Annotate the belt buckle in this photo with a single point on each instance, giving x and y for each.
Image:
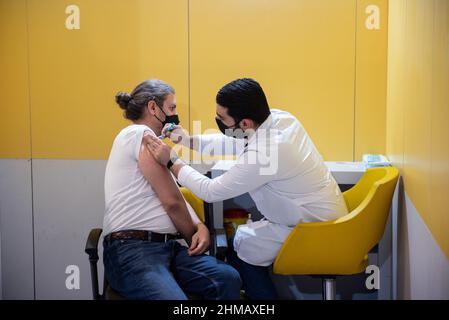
(165, 237)
(149, 236)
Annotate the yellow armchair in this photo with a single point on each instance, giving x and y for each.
(341, 246)
(196, 203)
(218, 245)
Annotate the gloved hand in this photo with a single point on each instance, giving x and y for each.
(176, 134)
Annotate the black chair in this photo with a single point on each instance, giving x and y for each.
(218, 246)
(92, 251)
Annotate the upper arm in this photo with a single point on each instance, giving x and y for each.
(159, 178)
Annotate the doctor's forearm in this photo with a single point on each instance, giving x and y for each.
(191, 183)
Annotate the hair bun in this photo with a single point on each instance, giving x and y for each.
(122, 99)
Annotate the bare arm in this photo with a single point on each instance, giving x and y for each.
(168, 193)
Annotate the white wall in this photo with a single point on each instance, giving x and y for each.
(68, 202)
(1, 287)
(16, 229)
(423, 268)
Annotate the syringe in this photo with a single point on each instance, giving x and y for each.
(169, 128)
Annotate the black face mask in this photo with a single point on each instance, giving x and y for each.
(233, 131)
(168, 119)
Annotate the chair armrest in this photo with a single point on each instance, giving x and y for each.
(220, 243)
(92, 243)
(92, 250)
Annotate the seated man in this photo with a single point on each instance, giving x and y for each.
(145, 211)
(277, 164)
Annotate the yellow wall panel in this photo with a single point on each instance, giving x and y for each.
(418, 107)
(418, 72)
(396, 79)
(14, 91)
(439, 195)
(75, 74)
(302, 53)
(371, 77)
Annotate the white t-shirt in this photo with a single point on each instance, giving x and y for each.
(130, 201)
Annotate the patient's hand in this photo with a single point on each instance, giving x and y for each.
(200, 241)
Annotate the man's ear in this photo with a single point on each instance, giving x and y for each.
(151, 106)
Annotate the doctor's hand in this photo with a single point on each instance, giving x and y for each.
(200, 241)
(177, 135)
(160, 151)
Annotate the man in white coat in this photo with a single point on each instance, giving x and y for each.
(277, 164)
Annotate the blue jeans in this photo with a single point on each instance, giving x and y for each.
(256, 279)
(164, 271)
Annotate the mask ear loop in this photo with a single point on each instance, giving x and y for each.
(153, 98)
(237, 123)
(237, 126)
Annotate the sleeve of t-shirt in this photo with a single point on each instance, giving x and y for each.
(140, 132)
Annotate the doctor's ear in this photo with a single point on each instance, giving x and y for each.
(247, 124)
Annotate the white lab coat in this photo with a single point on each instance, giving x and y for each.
(285, 176)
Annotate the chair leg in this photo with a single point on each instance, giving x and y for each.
(329, 288)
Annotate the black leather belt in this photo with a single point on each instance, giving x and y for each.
(141, 235)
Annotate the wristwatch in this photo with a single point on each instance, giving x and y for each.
(171, 162)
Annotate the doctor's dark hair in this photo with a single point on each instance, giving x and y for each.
(244, 98)
(135, 103)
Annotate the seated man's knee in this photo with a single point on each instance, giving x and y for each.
(229, 283)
